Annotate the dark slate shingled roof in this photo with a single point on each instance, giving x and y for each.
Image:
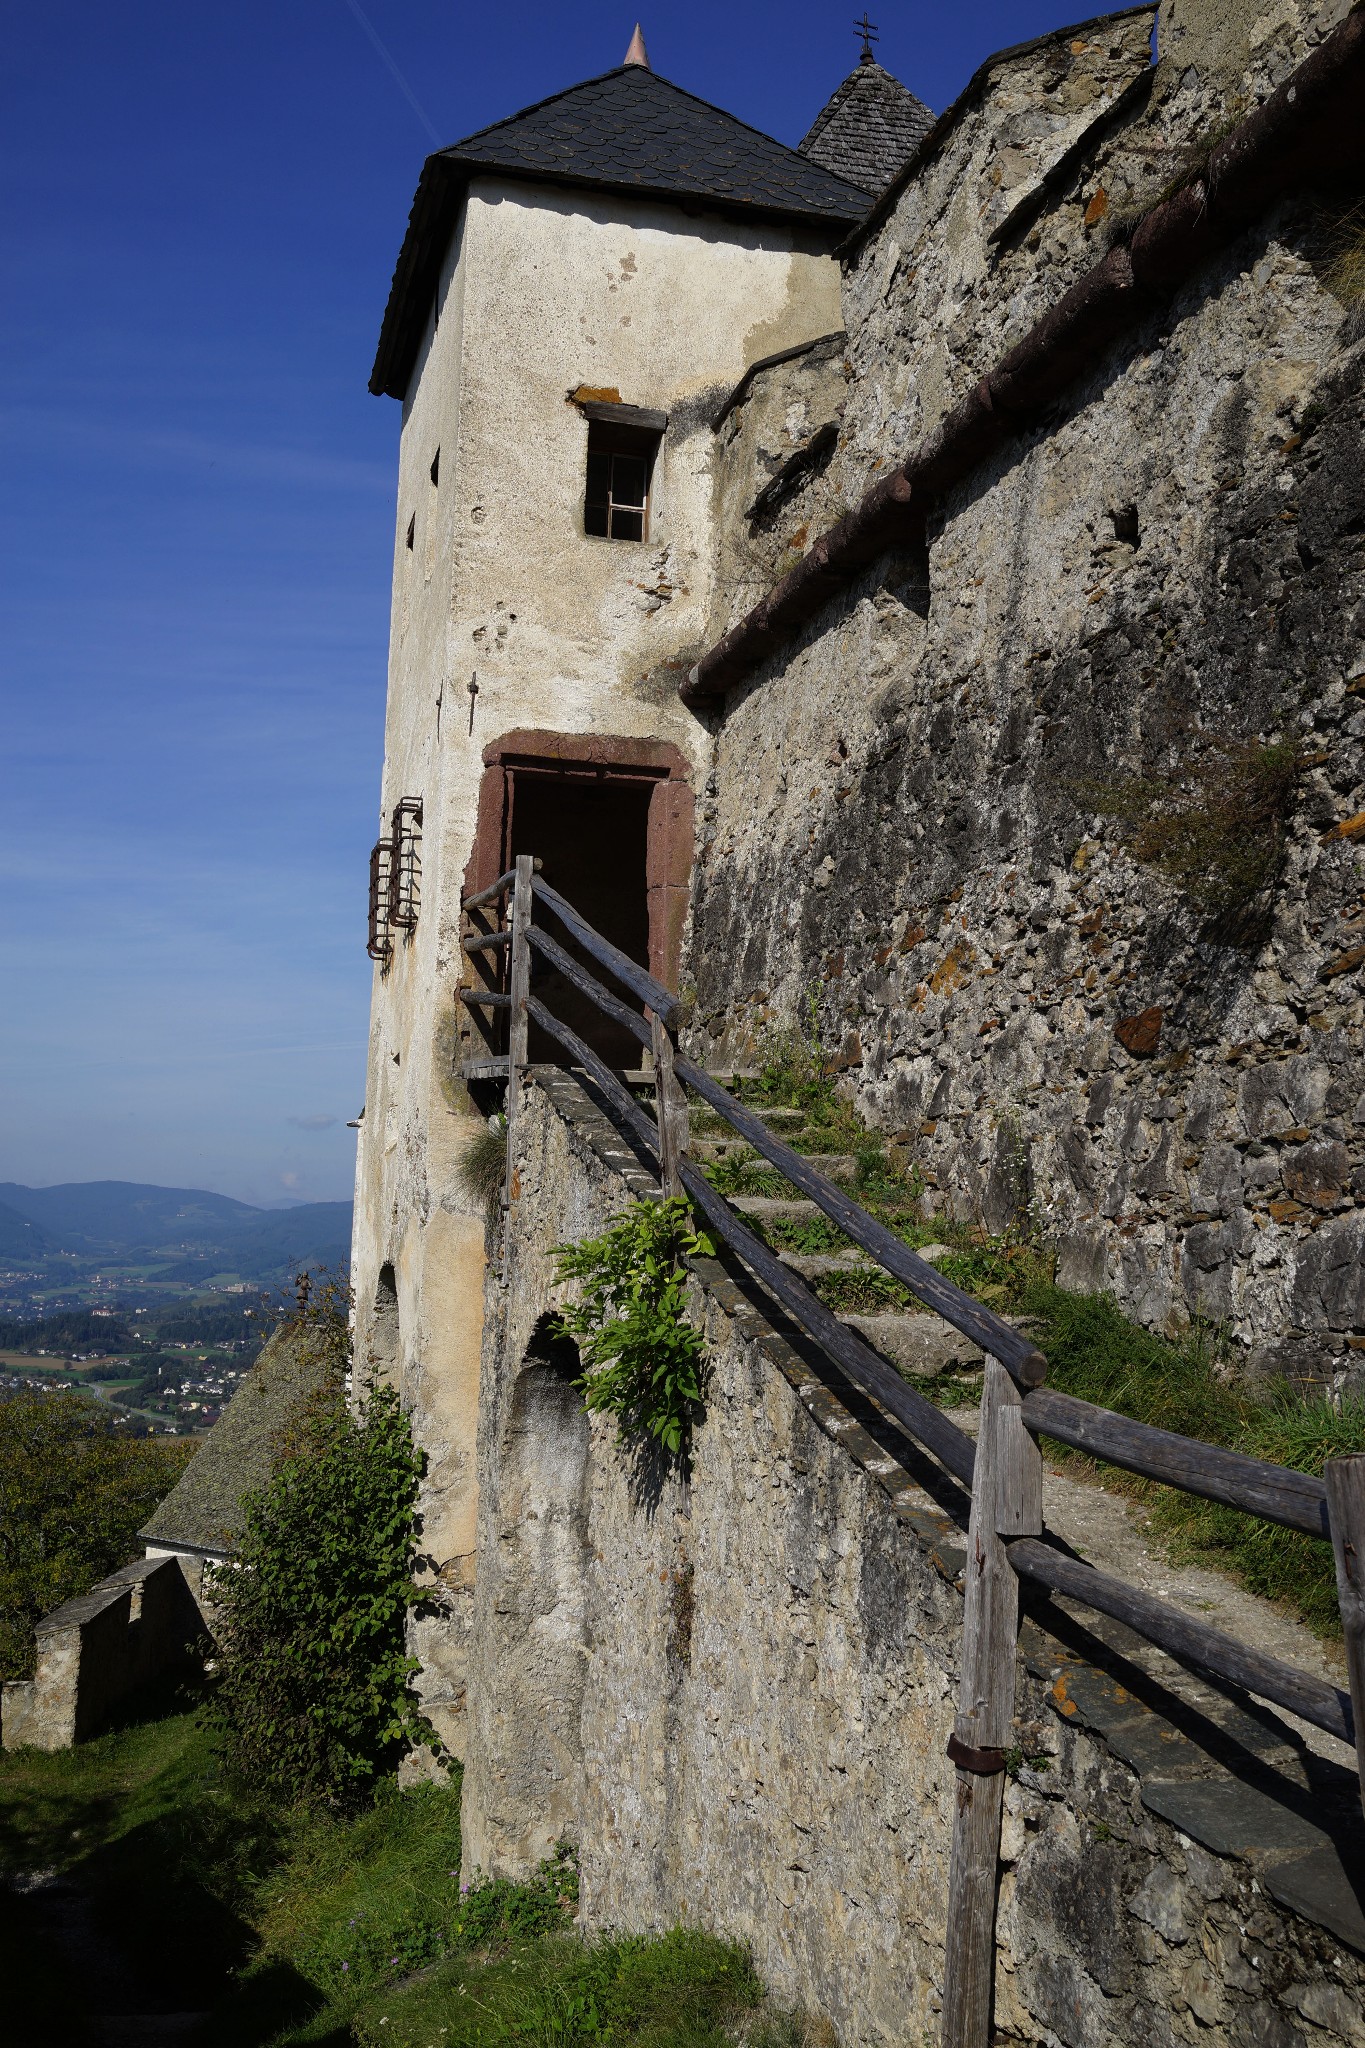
(869, 130)
(204, 1508)
(627, 130)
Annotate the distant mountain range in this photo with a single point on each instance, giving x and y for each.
(195, 1230)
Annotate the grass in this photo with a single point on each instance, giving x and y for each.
(1179, 1384)
(1095, 1353)
(482, 1167)
(301, 1928)
(1344, 256)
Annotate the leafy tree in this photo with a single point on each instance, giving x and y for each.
(314, 1697)
(74, 1491)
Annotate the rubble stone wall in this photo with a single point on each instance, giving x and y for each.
(141, 1624)
(912, 810)
(733, 1693)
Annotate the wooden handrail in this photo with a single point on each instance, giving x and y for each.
(990, 1331)
(1193, 1642)
(1313, 1699)
(652, 993)
(1016, 1353)
(588, 984)
(1296, 1500)
(1275, 1493)
(494, 889)
(928, 1424)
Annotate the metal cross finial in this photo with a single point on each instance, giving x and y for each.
(868, 31)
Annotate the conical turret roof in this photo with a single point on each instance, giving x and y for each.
(869, 129)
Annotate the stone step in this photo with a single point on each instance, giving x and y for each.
(817, 1265)
(840, 1167)
(916, 1341)
(707, 1151)
(780, 1119)
(772, 1209)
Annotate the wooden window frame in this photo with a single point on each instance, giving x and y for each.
(610, 446)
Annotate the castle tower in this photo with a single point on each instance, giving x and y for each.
(578, 289)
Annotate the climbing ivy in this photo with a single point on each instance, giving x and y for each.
(645, 1363)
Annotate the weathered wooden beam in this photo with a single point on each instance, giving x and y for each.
(1016, 1353)
(921, 1420)
(1208, 1650)
(488, 998)
(588, 985)
(670, 1110)
(628, 972)
(519, 989)
(1296, 1500)
(487, 942)
(1007, 1500)
(1193, 1642)
(1345, 1481)
(494, 890)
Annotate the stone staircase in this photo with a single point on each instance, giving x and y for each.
(917, 1343)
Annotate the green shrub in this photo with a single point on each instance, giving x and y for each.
(314, 1695)
(644, 1361)
(482, 1167)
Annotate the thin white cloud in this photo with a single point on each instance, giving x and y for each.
(159, 449)
(311, 1123)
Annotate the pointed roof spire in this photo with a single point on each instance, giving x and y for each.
(637, 53)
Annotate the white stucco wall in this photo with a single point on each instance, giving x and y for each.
(542, 291)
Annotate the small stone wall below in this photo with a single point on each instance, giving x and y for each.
(140, 1624)
(733, 1691)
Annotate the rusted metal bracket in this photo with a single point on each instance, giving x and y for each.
(986, 1763)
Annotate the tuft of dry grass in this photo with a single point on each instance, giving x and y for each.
(1343, 262)
(482, 1167)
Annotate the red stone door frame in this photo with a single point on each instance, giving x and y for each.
(669, 836)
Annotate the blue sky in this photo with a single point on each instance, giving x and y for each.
(201, 211)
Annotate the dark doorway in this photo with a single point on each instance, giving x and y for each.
(589, 828)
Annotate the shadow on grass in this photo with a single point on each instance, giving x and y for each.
(126, 1867)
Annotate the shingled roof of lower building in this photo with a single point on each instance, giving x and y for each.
(869, 130)
(627, 130)
(203, 1511)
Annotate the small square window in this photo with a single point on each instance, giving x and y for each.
(620, 471)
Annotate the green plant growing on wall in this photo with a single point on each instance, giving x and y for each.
(314, 1698)
(644, 1362)
(1216, 827)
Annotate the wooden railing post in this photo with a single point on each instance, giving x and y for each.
(1007, 1500)
(519, 987)
(670, 1105)
(1345, 1481)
